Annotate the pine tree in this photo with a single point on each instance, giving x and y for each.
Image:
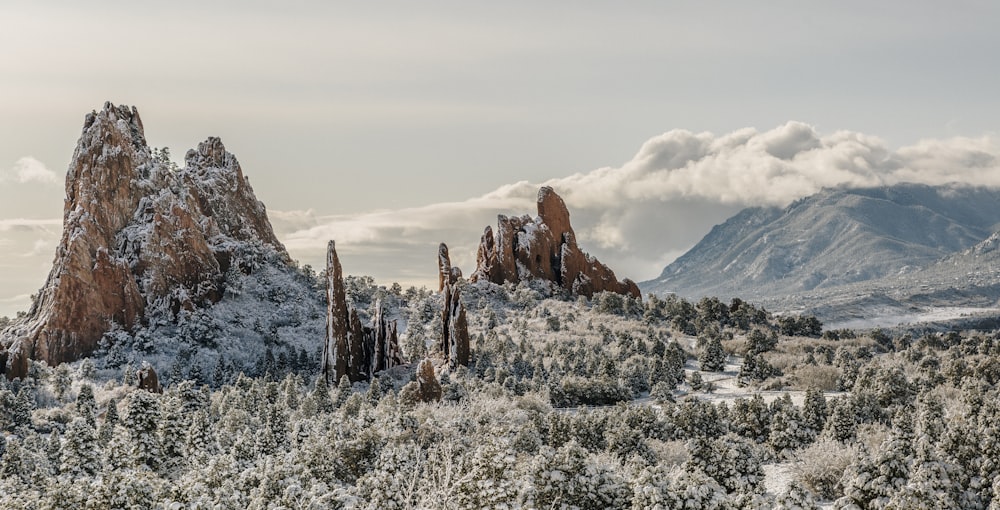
(141, 418)
(86, 405)
(80, 453)
(814, 410)
(319, 399)
(713, 358)
(24, 403)
(344, 389)
(841, 424)
(61, 382)
(107, 427)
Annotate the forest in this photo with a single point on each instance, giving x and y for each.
(567, 403)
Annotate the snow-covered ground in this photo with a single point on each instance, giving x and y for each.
(930, 315)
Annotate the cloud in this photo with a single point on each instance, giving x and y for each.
(27, 224)
(29, 169)
(640, 215)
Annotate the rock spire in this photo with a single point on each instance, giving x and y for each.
(455, 328)
(350, 348)
(447, 274)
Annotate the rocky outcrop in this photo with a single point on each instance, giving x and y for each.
(384, 339)
(140, 238)
(351, 349)
(428, 386)
(545, 248)
(447, 274)
(455, 328)
(147, 379)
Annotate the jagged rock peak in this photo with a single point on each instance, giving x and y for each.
(447, 274)
(140, 239)
(455, 328)
(352, 349)
(335, 349)
(545, 248)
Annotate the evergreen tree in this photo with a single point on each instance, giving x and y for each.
(86, 405)
(814, 410)
(61, 382)
(107, 427)
(570, 478)
(141, 418)
(24, 404)
(80, 453)
(713, 358)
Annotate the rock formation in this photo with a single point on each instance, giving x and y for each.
(352, 349)
(147, 379)
(336, 354)
(140, 238)
(544, 247)
(447, 274)
(429, 389)
(455, 328)
(385, 342)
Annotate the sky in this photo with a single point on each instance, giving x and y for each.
(393, 126)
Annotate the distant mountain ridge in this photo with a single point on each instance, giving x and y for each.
(832, 238)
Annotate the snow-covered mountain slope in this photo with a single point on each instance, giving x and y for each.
(832, 238)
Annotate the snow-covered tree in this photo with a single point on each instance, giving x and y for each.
(141, 421)
(80, 452)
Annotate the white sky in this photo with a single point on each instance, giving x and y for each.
(385, 124)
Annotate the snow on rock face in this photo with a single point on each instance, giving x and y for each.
(454, 328)
(139, 239)
(447, 274)
(544, 248)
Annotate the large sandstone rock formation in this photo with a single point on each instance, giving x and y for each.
(544, 247)
(455, 328)
(351, 349)
(140, 238)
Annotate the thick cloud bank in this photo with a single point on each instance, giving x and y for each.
(641, 215)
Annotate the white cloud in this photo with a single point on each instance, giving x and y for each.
(639, 216)
(29, 169)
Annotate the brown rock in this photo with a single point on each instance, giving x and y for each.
(455, 328)
(352, 349)
(544, 248)
(147, 379)
(385, 340)
(335, 350)
(429, 389)
(139, 237)
(447, 274)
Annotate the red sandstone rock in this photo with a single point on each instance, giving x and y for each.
(544, 248)
(335, 350)
(139, 237)
(447, 274)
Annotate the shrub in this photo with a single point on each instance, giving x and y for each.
(821, 465)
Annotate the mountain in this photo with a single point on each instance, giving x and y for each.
(833, 238)
(145, 245)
